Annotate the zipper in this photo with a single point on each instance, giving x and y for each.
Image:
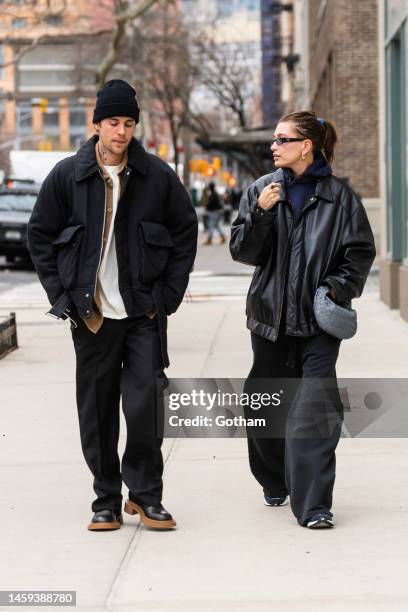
(121, 194)
(311, 201)
(294, 225)
(103, 231)
(285, 265)
(298, 286)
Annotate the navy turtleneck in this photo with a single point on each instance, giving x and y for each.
(300, 188)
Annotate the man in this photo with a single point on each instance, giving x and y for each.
(113, 237)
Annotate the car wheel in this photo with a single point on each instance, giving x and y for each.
(10, 258)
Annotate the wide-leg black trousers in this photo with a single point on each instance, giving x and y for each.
(123, 359)
(303, 462)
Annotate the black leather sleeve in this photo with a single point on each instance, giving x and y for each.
(251, 230)
(356, 255)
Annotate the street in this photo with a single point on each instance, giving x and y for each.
(215, 275)
(229, 551)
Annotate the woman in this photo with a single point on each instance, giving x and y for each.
(302, 227)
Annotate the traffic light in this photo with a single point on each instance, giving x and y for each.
(194, 165)
(45, 145)
(203, 166)
(43, 104)
(163, 150)
(217, 163)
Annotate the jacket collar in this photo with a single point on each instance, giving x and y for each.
(86, 162)
(323, 188)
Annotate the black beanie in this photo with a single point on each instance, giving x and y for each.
(116, 99)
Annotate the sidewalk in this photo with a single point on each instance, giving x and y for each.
(229, 552)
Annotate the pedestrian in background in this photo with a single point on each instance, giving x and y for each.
(214, 210)
(302, 227)
(113, 238)
(227, 206)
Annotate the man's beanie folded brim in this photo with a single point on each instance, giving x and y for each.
(116, 99)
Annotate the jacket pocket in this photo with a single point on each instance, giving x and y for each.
(155, 245)
(68, 245)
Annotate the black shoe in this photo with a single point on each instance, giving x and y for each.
(155, 516)
(276, 501)
(320, 520)
(106, 520)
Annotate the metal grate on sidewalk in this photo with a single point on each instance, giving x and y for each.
(8, 335)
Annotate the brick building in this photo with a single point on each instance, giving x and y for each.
(344, 56)
(47, 93)
(337, 75)
(273, 74)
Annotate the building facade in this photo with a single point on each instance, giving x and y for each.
(394, 252)
(272, 74)
(337, 75)
(47, 92)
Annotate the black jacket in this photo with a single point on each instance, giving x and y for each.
(331, 243)
(213, 202)
(155, 230)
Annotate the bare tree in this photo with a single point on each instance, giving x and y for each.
(168, 61)
(126, 12)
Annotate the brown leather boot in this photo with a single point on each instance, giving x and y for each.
(155, 517)
(106, 520)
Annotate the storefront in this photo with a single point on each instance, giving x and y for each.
(394, 268)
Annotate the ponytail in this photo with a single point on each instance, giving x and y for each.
(320, 131)
(329, 140)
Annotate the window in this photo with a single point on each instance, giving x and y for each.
(24, 116)
(54, 20)
(51, 117)
(253, 5)
(46, 79)
(77, 117)
(19, 23)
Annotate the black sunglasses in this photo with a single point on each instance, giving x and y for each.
(281, 141)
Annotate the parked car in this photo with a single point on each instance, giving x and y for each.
(16, 205)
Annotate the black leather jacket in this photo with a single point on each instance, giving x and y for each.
(331, 243)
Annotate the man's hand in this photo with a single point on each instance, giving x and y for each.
(269, 196)
(333, 294)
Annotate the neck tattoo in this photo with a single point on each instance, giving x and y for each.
(104, 154)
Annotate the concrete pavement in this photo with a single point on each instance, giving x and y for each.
(229, 552)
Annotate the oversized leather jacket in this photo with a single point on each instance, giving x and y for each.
(330, 243)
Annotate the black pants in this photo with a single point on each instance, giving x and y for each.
(123, 358)
(303, 462)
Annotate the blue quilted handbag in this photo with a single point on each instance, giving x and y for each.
(339, 321)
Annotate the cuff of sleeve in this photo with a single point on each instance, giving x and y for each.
(259, 214)
(341, 295)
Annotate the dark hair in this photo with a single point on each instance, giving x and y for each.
(321, 132)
